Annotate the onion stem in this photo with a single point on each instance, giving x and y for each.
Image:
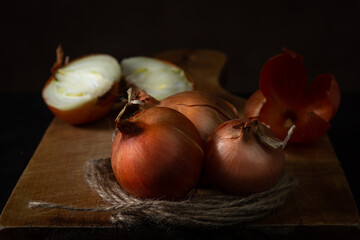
(275, 142)
(129, 101)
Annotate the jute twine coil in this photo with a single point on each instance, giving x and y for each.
(215, 210)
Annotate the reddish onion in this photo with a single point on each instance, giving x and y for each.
(243, 157)
(157, 154)
(284, 99)
(204, 110)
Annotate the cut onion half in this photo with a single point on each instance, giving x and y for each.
(158, 78)
(83, 90)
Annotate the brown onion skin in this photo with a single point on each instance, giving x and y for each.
(254, 104)
(157, 154)
(89, 111)
(238, 163)
(204, 110)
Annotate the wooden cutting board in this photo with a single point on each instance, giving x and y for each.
(321, 204)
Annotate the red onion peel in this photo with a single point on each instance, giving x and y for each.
(284, 99)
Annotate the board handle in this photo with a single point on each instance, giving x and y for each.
(206, 68)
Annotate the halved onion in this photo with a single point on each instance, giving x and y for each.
(158, 78)
(83, 90)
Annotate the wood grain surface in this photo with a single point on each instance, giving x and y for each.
(320, 205)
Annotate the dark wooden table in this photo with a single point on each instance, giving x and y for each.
(321, 206)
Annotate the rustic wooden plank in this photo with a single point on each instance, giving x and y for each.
(322, 199)
(56, 174)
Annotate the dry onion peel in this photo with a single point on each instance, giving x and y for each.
(284, 99)
(129, 101)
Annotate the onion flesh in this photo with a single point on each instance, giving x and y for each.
(81, 81)
(84, 89)
(158, 78)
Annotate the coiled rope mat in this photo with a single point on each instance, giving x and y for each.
(214, 210)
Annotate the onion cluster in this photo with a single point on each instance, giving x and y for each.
(162, 150)
(178, 134)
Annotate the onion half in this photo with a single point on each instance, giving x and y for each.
(83, 90)
(158, 78)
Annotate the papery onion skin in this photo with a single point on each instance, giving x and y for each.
(254, 104)
(88, 111)
(284, 99)
(204, 110)
(157, 154)
(237, 162)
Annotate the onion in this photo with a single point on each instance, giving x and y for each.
(158, 78)
(157, 154)
(204, 110)
(243, 157)
(284, 99)
(83, 90)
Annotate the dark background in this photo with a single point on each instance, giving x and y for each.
(249, 32)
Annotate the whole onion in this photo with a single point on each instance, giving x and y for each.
(157, 154)
(243, 156)
(204, 110)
